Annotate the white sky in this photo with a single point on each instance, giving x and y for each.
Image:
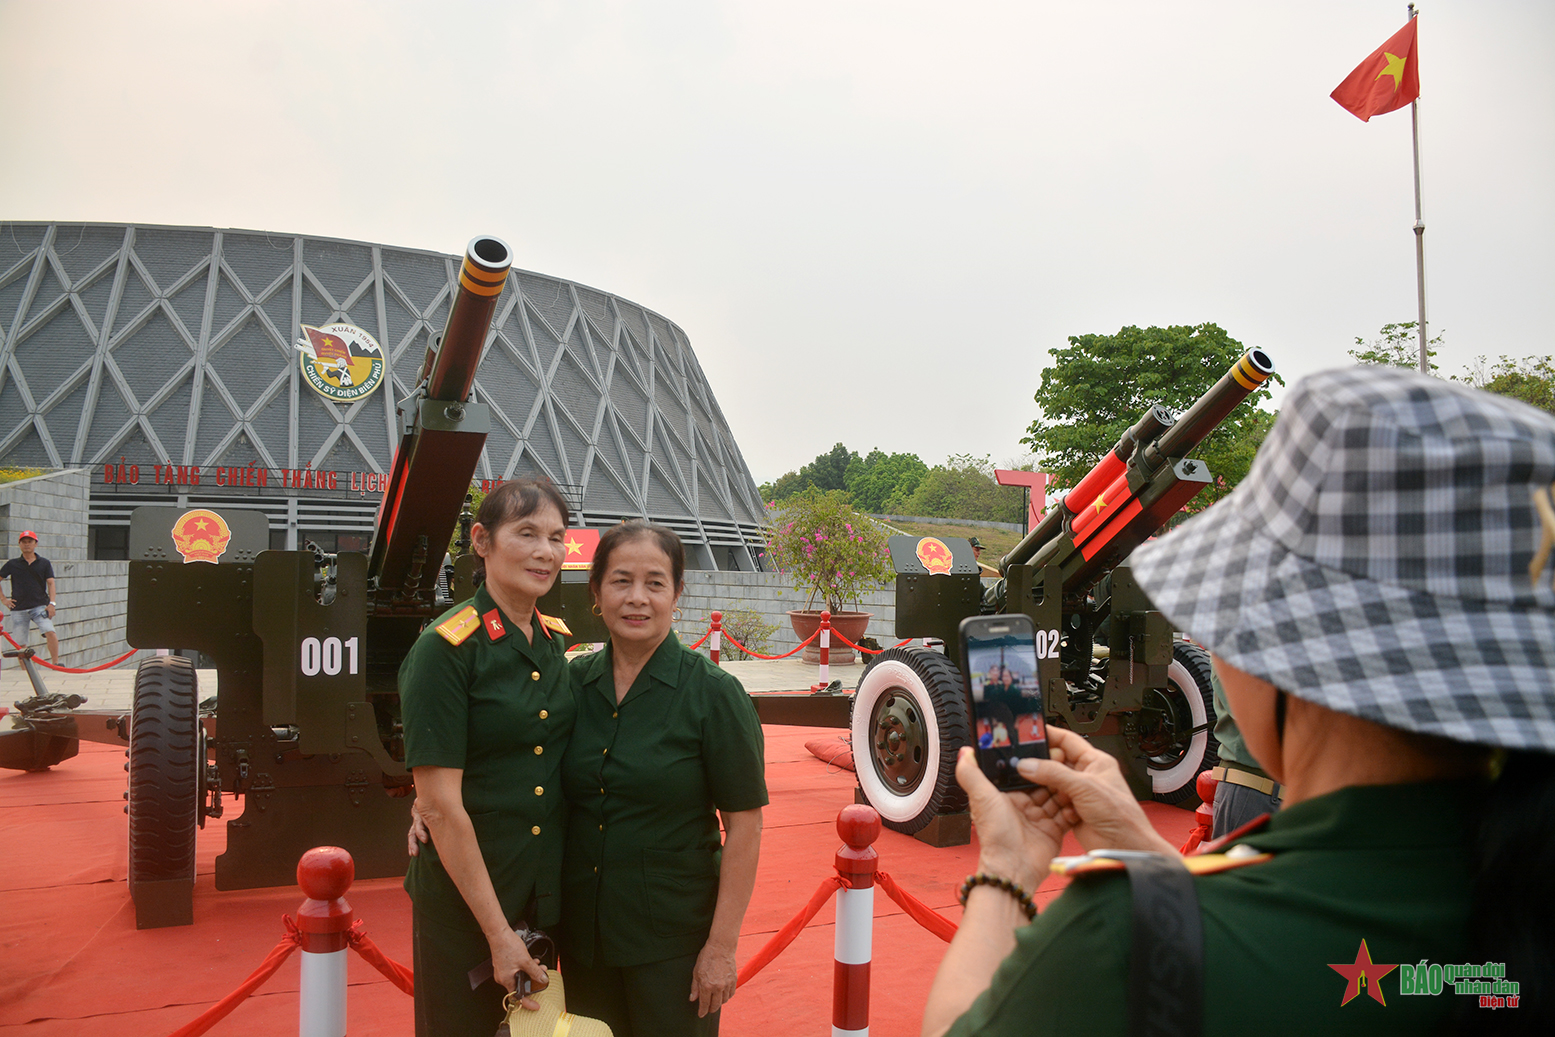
(872, 219)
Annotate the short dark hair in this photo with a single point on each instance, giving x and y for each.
(636, 529)
(518, 500)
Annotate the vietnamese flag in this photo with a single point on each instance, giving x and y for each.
(1384, 82)
(581, 545)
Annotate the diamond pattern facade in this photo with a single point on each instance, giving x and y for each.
(147, 346)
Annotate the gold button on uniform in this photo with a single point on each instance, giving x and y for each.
(539, 749)
(535, 830)
(535, 676)
(544, 713)
(605, 752)
(539, 790)
(601, 792)
(601, 828)
(596, 871)
(614, 715)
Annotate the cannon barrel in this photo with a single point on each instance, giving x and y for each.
(443, 439)
(1159, 434)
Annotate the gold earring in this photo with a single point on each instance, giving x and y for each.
(596, 609)
(677, 614)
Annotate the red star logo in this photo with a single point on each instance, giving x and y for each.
(1363, 972)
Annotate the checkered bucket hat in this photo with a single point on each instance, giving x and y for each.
(1377, 559)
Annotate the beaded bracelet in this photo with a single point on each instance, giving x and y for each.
(1014, 889)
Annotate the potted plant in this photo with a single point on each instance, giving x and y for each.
(835, 552)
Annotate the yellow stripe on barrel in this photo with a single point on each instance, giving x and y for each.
(482, 282)
(1246, 375)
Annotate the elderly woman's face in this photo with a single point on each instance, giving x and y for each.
(637, 594)
(523, 556)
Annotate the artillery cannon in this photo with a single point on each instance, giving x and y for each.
(305, 724)
(1107, 661)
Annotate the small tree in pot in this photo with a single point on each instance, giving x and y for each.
(836, 553)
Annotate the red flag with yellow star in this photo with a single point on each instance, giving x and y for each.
(581, 545)
(1384, 82)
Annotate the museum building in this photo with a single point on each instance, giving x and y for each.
(195, 367)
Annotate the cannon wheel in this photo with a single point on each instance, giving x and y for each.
(167, 770)
(908, 718)
(1176, 726)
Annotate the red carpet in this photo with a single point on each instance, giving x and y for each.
(74, 962)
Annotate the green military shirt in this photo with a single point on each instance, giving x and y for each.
(643, 780)
(501, 709)
(1388, 864)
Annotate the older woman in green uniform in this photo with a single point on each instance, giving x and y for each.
(488, 711)
(665, 744)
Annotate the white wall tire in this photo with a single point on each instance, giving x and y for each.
(908, 720)
(1176, 759)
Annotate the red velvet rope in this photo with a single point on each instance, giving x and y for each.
(397, 974)
(730, 638)
(221, 1009)
(916, 909)
(66, 669)
(705, 636)
(860, 648)
(785, 936)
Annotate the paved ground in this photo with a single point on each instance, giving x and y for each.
(113, 689)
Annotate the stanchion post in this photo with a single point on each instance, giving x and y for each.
(825, 648)
(856, 861)
(324, 873)
(717, 635)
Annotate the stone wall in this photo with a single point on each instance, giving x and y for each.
(52, 505)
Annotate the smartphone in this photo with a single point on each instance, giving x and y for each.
(1004, 695)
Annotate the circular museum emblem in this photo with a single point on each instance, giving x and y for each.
(342, 362)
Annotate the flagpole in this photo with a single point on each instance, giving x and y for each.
(1414, 125)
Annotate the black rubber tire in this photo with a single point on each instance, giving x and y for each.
(919, 695)
(166, 771)
(1176, 759)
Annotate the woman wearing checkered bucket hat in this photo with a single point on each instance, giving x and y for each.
(1379, 594)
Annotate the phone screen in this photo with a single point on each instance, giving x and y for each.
(999, 660)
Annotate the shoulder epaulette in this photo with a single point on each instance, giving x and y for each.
(1200, 864)
(460, 625)
(553, 623)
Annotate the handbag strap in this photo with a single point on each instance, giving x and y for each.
(1166, 966)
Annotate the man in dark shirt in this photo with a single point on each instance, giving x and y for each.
(31, 602)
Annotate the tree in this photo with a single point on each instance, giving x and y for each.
(829, 471)
(879, 479)
(1101, 384)
(964, 487)
(1530, 379)
(1397, 345)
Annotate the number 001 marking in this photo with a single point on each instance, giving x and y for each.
(1047, 644)
(326, 656)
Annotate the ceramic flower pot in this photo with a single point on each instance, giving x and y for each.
(849, 624)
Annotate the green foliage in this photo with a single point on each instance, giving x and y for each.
(964, 487)
(747, 627)
(828, 548)
(1397, 345)
(1101, 384)
(1530, 379)
(881, 481)
(14, 473)
(829, 471)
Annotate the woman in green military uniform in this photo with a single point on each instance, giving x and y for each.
(665, 743)
(488, 711)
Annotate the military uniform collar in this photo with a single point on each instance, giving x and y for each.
(484, 604)
(662, 667)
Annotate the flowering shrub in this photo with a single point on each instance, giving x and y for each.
(826, 546)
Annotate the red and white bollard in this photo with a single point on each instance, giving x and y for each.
(324, 873)
(715, 639)
(859, 827)
(823, 642)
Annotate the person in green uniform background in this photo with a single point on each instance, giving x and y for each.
(666, 743)
(488, 710)
(1380, 600)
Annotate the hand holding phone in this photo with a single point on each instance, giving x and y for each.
(1004, 695)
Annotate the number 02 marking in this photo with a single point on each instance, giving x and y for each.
(1047, 644)
(327, 655)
